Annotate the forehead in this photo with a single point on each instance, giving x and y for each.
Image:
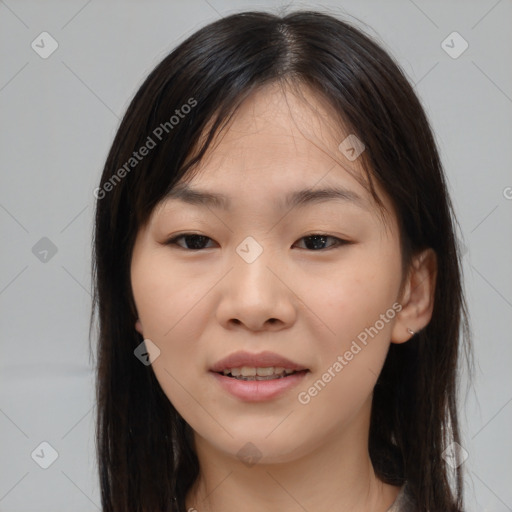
(289, 123)
(281, 148)
(278, 137)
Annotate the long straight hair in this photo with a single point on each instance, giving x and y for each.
(144, 447)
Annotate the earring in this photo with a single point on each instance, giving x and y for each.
(411, 331)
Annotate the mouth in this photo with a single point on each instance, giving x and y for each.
(261, 366)
(258, 377)
(247, 373)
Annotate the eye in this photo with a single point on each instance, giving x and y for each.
(195, 242)
(317, 240)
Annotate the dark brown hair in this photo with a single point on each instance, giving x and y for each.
(144, 447)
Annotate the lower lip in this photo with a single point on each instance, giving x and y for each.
(259, 390)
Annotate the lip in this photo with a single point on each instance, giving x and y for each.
(257, 390)
(260, 360)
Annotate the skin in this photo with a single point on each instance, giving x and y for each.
(200, 306)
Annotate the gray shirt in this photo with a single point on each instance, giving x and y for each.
(403, 502)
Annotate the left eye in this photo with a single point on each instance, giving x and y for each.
(314, 241)
(317, 240)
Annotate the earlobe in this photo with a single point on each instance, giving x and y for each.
(138, 327)
(418, 297)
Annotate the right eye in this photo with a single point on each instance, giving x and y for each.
(193, 239)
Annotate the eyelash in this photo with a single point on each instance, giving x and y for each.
(339, 241)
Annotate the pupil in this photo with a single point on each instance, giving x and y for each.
(316, 239)
(199, 239)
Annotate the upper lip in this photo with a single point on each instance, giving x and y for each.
(259, 360)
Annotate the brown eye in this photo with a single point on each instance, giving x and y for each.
(192, 241)
(317, 241)
(195, 242)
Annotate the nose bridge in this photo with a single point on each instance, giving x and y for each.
(253, 294)
(251, 265)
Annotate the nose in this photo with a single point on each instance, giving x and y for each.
(257, 295)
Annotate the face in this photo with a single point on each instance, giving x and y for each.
(311, 287)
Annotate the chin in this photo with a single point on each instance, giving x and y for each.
(252, 446)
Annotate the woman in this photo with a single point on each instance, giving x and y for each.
(277, 281)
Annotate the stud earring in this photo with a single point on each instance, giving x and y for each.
(411, 331)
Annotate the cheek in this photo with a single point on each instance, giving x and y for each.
(363, 288)
(163, 294)
(172, 314)
(354, 302)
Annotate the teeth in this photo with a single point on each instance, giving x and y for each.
(260, 373)
(265, 372)
(246, 371)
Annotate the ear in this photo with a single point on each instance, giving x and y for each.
(138, 327)
(417, 299)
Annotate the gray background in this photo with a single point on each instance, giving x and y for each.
(59, 116)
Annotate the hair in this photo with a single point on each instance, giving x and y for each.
(145, 448)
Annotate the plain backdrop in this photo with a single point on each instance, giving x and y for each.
(59, 115)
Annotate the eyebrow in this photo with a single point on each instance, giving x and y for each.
(298, 198)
